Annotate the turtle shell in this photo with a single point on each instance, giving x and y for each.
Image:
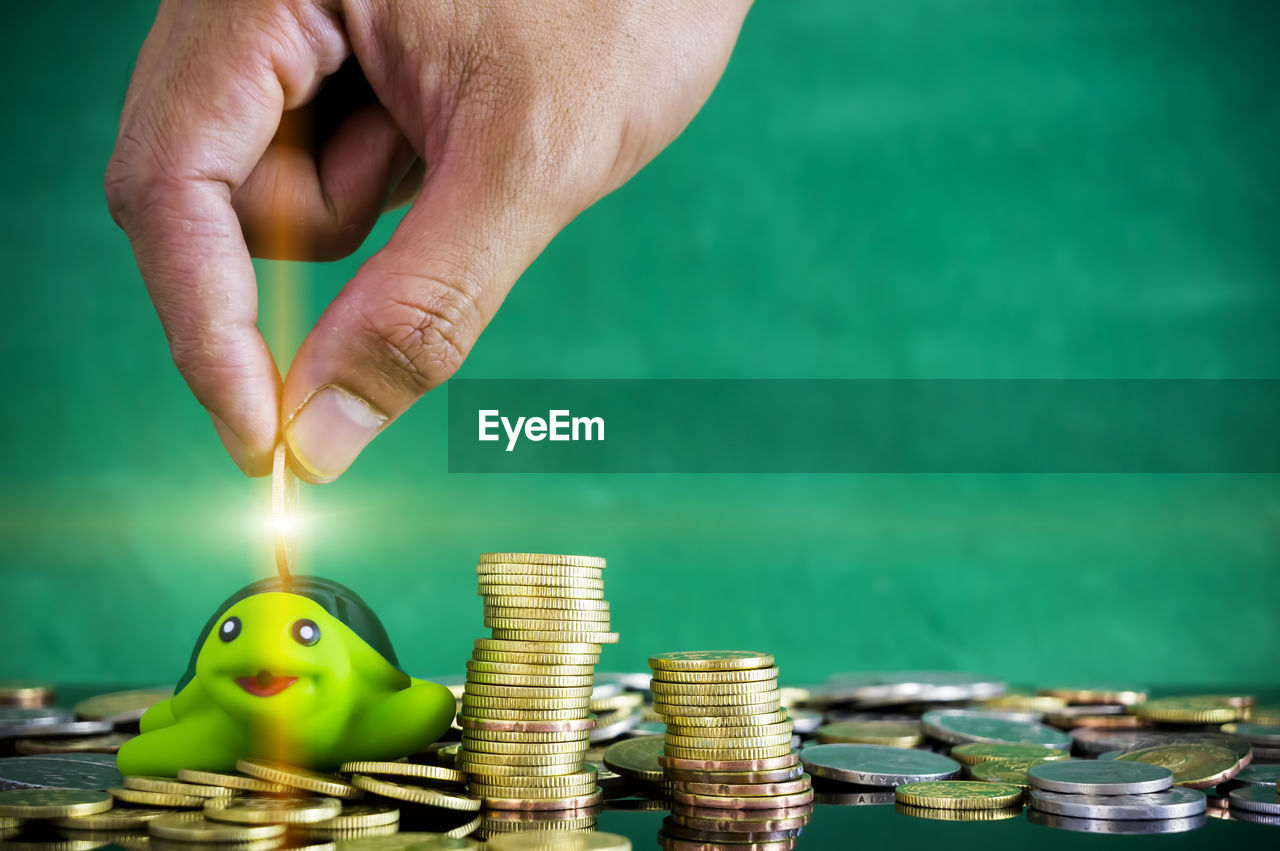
(336, 599)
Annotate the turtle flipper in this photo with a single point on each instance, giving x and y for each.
(401, 723)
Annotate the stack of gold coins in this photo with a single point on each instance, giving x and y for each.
(727, 745)
(525, 714)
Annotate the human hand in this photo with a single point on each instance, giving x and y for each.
(501, 121)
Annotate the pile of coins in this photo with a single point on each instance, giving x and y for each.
(1112, 791)
(727, 751)
(266, 804)
(526, 706)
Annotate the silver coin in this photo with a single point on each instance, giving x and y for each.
(884, 688)
(853, 799)
(1021, 716)
(614, 726)
(1090, 709)
(1267, 755)
(1265, 735)
(805, 721)
(1259, 775)
(69, 728)
(1109, 754)
(1091, 740)
(17, 721)
(876, 765)
(1177, 802)
(1257, 799)
(1102, 825)
(95, 771)
(1255, 817)
(606, 686)
(1100, 777)
(958, 726)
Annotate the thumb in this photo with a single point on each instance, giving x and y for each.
(406, 321)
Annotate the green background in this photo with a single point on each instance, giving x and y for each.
(889, 189)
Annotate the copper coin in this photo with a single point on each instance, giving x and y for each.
(1100, 722)
(578, 802)
(768, 764)
(732, 790)
(777, 775)
(570, 726)
(743, 803)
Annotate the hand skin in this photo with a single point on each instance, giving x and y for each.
(500, 120)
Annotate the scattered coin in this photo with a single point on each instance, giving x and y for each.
(636, 758)
(297, 778)
(416, 794)
(1192, 709)
(194, 827)
(958, 726)
(27, 694)
(958, 795)
(976, 752)
(252, 810)
(1098, 777)
(1197, 766)
(1098, 693)
(155, 799)
(121, 707)
(1011, 771)
(898, 734)
(406, 769)
(108, 743)
(167, 786)
(1259, 775)
(117, 818)
(242, 782)
(1116, 826)
(1259, 735)
(63, 771)
(876, 765)
(1258, 799)
(52, 803)
(1175, 802)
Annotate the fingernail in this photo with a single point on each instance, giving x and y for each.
(329, 431)
(235, 446)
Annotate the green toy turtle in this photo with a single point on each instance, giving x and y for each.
(296, 669)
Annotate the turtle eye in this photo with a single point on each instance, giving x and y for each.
(305, 631)
(230, 629)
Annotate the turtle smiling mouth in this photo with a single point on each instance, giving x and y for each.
(265, 684)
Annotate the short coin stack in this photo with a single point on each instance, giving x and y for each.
(727, 750)
(525, 713)
(1112, 791)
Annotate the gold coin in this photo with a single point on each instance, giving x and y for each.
(495, 790)
(1025, 702)
(297, 778)
(405, 769)
(468, 758)
(532, 738)
(447, 755)
(958, 795)
(715, 734)
(499, 581)
(1195, 709)
(465, 829)
(408, 840)
(483, 746)
(488, 713)
(507, 669)
(117, 818)
(194, 827)
(748, 675)
(481, 701)
(731, 699)
(488, 770)
(106, 743)
(52, 803)
(496, 589)
(774, 716)
(547, 840)
(547, 781)
(997, 814)
(973, 753)
(538, 635)
(360, 817)
(416, 794)
(1193, 765)
(723, 744)
(284, 509)
(28, 694)
(1011, 771)
(230, 781)
(1268, 715)
(672, 711)
(500, 657)
(1097, 694)
(121, 705)
(533, 692)
(542, 558)
(155, 799)
(557, 648)
(544, 604)
(727, 753)
(545, 621)
(896, 734)
(253, 810)
(710, 660)
(166, 786)
(563, 824)
(678, 691)
(512, 573)
(339, 834)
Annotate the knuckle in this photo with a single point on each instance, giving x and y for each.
(422, 340)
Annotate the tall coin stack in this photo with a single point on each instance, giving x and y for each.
(727, 752)
(525, 713)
